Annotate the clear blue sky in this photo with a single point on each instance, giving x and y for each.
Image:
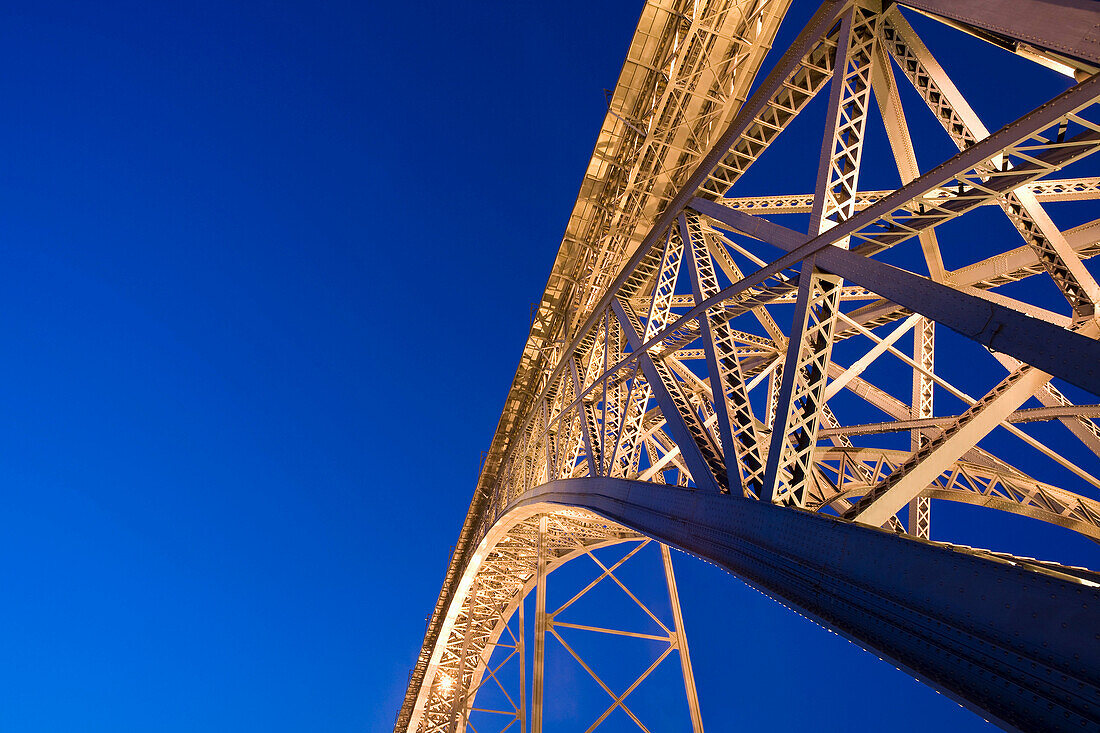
(265, 279)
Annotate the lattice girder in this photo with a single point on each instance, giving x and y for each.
(640, 373)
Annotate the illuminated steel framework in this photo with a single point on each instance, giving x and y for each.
(666, 392)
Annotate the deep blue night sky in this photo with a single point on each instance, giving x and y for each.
(265, 279)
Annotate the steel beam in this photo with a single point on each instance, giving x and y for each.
(656, 319)
(1061, 352)
(887, 597)
(1012, 640)
(965, 127)
(682, 642)
(1065, 26)
(701, 458)
(459, 703)
(790, 458)
(929, 461)
(924, 353)
(800, 397)
(538, 668)
(901, 144)
(521, 649)
(736, 425)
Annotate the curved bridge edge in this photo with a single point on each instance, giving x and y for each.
(1016, 643)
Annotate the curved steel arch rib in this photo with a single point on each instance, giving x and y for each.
(1005, 637)
(938, 611)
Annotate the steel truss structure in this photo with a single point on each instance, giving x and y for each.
(687, 373)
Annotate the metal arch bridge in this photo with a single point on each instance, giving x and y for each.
(666, 392)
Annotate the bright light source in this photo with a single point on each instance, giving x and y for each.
(446, 683)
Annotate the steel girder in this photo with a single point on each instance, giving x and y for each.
(1065, 27)
(1005, 638)
(636, 375)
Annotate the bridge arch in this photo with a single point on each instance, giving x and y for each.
(924, 606)
(660, 394)
(505, 562)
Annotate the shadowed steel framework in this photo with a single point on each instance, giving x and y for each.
(666, 394)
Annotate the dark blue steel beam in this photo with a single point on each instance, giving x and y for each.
(1064, 26)
(1018, 644)
(1055, 350)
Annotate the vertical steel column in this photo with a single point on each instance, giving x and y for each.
(801, 396)
(521, 648)
(897, 132)
(924, 353)
(775, 381)
(540, 629)
(682, 643)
